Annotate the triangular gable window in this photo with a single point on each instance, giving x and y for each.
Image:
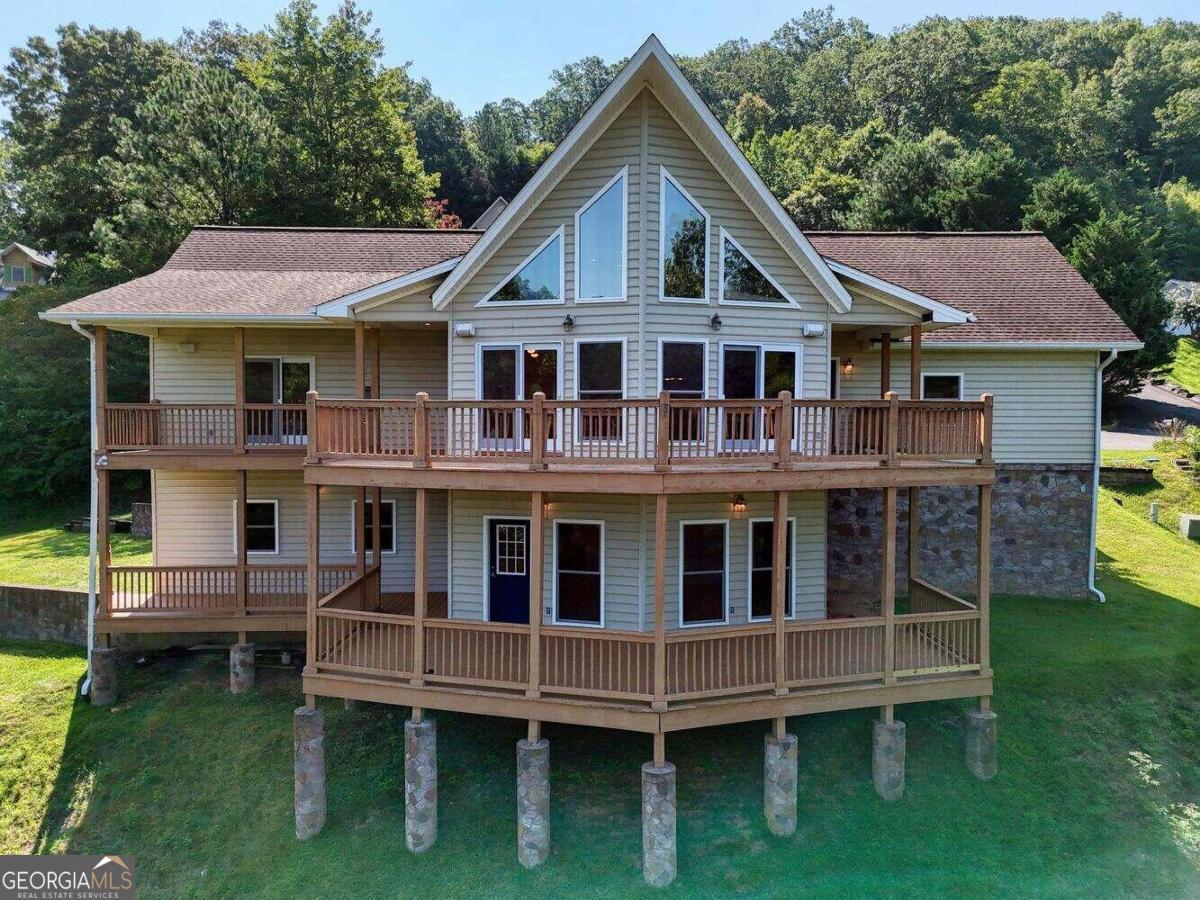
(743, 280)
(538, 279)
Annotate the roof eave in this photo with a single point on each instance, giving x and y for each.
(942, 313)
(344, 307)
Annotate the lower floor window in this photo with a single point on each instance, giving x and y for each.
(262, 526)
(387, 526)
(702, 566)
(579, 568)
(762, 550)
(935, 386)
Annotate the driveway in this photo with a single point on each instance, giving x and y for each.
(1136, 416)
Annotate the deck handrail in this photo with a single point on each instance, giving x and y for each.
(213, 588)
(205, 426)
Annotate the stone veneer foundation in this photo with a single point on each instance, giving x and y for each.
(1041, 526)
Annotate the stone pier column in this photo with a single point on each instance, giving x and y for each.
(779, 783)
(533, 802)
(103, 691)
(241, 668)
(980, 746)
(658, 824)
(420, 784)
(887, 759)
(308, 744)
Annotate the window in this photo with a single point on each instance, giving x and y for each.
(18, 274)
(743, 280)
(387, 526)
(262, 526)
(702, 564)
(578, 572)
(600, 243)
(938, 386)
(511, 554)
(600, 376)
(682, 372)
(756, 372)
(762, 550)
(683, 240)
(275, 380)
(516, 372)
(539, 277)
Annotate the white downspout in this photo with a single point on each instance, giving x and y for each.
(1099, 594)
(94, 511)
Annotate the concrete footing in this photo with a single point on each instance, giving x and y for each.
(241, 668)
(533, 802)
(420, 784)
(308, 743)
(980, 746)
(887, 759)
(103, 690)
(658, 824)
(780, 763)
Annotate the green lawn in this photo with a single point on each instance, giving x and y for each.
(1176, 491)
(1185, 370)
(1096, 797)
(34, 549)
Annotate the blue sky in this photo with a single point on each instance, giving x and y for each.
(473, 52)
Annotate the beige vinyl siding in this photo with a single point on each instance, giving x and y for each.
(870, 311)
(193, 524)
(1044, 400)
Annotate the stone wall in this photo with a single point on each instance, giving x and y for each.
(47, 614)
(1041, 521)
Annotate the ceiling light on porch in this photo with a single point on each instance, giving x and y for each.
(739, 505)
(847, 366)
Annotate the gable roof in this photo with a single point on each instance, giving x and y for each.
(41, 259)
(1019, 288)
(652, 66)
(230, 272)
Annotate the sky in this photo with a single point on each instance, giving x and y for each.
(473, 52)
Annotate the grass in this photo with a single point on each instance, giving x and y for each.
(1185, 369)
(34, 549)
(1175, 491)
(1097, 793)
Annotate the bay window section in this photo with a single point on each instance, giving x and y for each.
(600, 240)
(703, 564)
(600, 376)
(762, 551)
(579, 572)
(683, 244)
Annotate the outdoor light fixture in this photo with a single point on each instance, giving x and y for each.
(715, 322)
(739, 504)
(848, 366)
(569, 323)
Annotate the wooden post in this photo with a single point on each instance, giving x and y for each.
(537, 432)
(914, 534)
(101, 389)
(360, 361)
(779, 588)
(419, 587)
(983, 596)
(313, 578)
(103, 558)
(888, 585)
(239, 539)
(537, 521)
(311, 420)
(662, 437)
(885, 363)
(914, 374)
(660, 749)
(360, 532)
(985, 430)
(421, 432)
(892, 435)
(376, 366)
(660, 602)
(377, 532)
(239, 390)
(784, 418)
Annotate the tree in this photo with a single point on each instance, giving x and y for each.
(575, 87)
(1117, 256)
(902, 189)
(441, 134)
(984, 189)
(498, 134)
(1185, 306)
(1181, 229)
(1025, 105)
(1060, 205)
(753, 115)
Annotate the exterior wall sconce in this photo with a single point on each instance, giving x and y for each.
(739, 505)
(569, 323)
(847, 366)
(715, 322)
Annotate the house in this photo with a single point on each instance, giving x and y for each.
(23, 265)
(639, 455)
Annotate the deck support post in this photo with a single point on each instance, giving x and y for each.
(239, 390)
(313, 576)
(376, 366)
(887, 588)
(979, 748)
(105, 686)
(103, 551)
(239, 540)
(101, 334)
(420, 588)
(377, 532)
(885, 363)
(537, 544)
(360, 532)
(360, 361)
(660, 603)
(888, 741)
(420, 784)
(914, 373)
(658, 824)
(780, 772)
(983, 590)
(241, 668)
(914, 535)
(533, 801)
(308, 746)
(779, 585)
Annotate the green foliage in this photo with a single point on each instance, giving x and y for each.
(1181, 229)
(1184, 369)
(1060, 205)
(1024, 106)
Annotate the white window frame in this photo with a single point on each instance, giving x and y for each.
(354, 520)
(788, 299)
(663, 177)
(724, 580)
(959, 375)
(487, 558)
(278, 542)
(310, 361)
(763, 349)
(520, 348)
(703, 342)
(559, 233)
(624, 389)
(554, 575)
(750, 617)
(623, 177)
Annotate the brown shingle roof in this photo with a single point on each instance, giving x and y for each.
(274, 271)
(1019, 287)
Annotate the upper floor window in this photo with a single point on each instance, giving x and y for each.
(539, 277)
(600, 243)
(684, 244)
(743, 280)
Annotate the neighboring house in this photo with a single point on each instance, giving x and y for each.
(23, 266)
(639, 455)
(1177, 291)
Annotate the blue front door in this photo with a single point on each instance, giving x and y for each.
(508, 570)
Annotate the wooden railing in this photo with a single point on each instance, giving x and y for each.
(665, 432)
(206, 590)
(205, 426)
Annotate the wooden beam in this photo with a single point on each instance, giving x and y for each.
(914, 375)
(420, 587)
(101, 388)
(239, 390)
(313, 576)
(376, 366)
(660, 602)
(885, 363)
(103, 557)
(360, 531)
(537, 519)
(360, 361)
(779, 589)
(914, 534)
(984, 588)
(239, 539)
(888, 585)
(660, 749)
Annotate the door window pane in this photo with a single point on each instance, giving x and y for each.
(942, 387)
(297, 382)
(498, 381)
(601, 377)
(703, 583)
(261, 527)
(740, 373)
(762, 538)
(538, 279)
(541, 372)
(683, 376)
(261, 380)
(779, 372)
(743, 281)
(580, 562)
(510, 549)
(602, 245)
(685, 245)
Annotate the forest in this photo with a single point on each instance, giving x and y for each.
(115, 145)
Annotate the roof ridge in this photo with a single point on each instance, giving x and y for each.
(337, 228)
(1018, 233)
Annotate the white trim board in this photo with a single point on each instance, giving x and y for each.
(347, 305)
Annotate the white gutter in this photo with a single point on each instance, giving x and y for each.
(94, 511)
(1112, 354)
